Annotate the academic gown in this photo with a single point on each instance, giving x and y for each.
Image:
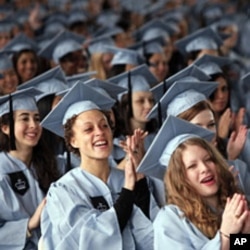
(174, 231)
(20, 195)
(79, 214)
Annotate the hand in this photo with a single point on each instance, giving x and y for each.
(225, 123)
(235, 173)
(34, 17)
(236, 142)
(238, 119)
(34, 221)
(234, 215)
(246, 226)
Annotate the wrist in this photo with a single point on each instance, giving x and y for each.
(225, 235)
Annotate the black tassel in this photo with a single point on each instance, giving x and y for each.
(164, 86)
(159, 114)
(130, 95)
(68, 161)
(12, 125)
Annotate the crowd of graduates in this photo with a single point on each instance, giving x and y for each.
(124, 124)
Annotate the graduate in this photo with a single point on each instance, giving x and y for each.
(27, 168)
(95, 205)
(204, 205)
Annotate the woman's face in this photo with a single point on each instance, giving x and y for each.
(106, 61)
(158, 66)
(92, 135)
(27, 66)
(27, 128)
(221, 96)
(201, 171)
(205, 119)
(142, 103)
(8, 82)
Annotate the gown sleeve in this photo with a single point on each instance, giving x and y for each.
(173, 230)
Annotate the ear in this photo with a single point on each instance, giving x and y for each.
(5, 129)
(73, 142)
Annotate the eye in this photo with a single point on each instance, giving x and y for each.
(211, 125)
(191, 166)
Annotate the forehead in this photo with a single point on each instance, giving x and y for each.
(90, 116)
(142, 94)
(192, 152)
(23, 111)
(203, 116)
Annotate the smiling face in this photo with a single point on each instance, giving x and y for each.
(27, 66)
(201, 171)
(9, 81)
(92, 135)
(27, 128)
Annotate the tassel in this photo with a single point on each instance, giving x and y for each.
(130, 95)
(12, 125)
(159, 114)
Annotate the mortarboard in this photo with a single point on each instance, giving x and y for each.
(77, 16)
(99, 44)
(141, 79)
(154, 45)
(245, 82)
(173, 132)
(190, 73)
(50, 82)
(181, 96)
(106, 88)
(204, 38)
(71, 80)
(124, 56)
(18, 100)
(211, 65)
(108, 31)
(79, 99)
(5, 60)
(152, 29)
(21, 42)
(6, 25)
(63, 43)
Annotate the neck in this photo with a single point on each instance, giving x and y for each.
(136, 124)
(24, 155)
(213, 202)
(99, 168)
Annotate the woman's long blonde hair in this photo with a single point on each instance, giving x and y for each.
(97, 65)
(180, 193)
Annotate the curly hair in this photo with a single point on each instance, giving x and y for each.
(179, 192)
(43, 159)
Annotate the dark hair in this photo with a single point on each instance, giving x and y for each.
(43, 160)
(124, 122)
(116, 70)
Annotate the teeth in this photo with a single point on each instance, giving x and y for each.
(100, 143)
(207, 179)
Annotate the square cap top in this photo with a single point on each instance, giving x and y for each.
(71, 80)
(21, 42)
(141, 79)
(181, 96)
(174, 131)
(191, 73)
(21, 100)
(211, 65)
(63, 43)
(204, 38)
(80, 98)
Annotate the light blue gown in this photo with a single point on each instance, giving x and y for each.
(175, 232)
(70, 220)
(20, 195)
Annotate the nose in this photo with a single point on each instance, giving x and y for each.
(203, 166)
(33, 123)
(148, 104)
(99, 131)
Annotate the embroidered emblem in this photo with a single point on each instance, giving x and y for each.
(19, 182)
(99, 203)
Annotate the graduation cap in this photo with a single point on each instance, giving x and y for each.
(211, 65)
(18, 100)
(79, 99)
(71, 80)
(173, 132)
(99, 44)
(181, 96)
(205, 38)
(21, 42)
(191, 73)
(6, 25)
(77, 16)
(124, 56)
(106, 88)
(50, 82)
(154, 45)
(153, 29)
(63, 43)
(108, 31)
(107, 18)
(5, 60)
(245, 82)
(141, 79)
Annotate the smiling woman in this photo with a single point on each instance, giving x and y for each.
(98, 195)
(26, 170)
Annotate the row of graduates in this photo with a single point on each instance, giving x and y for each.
(95, 203)
(58, 233)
